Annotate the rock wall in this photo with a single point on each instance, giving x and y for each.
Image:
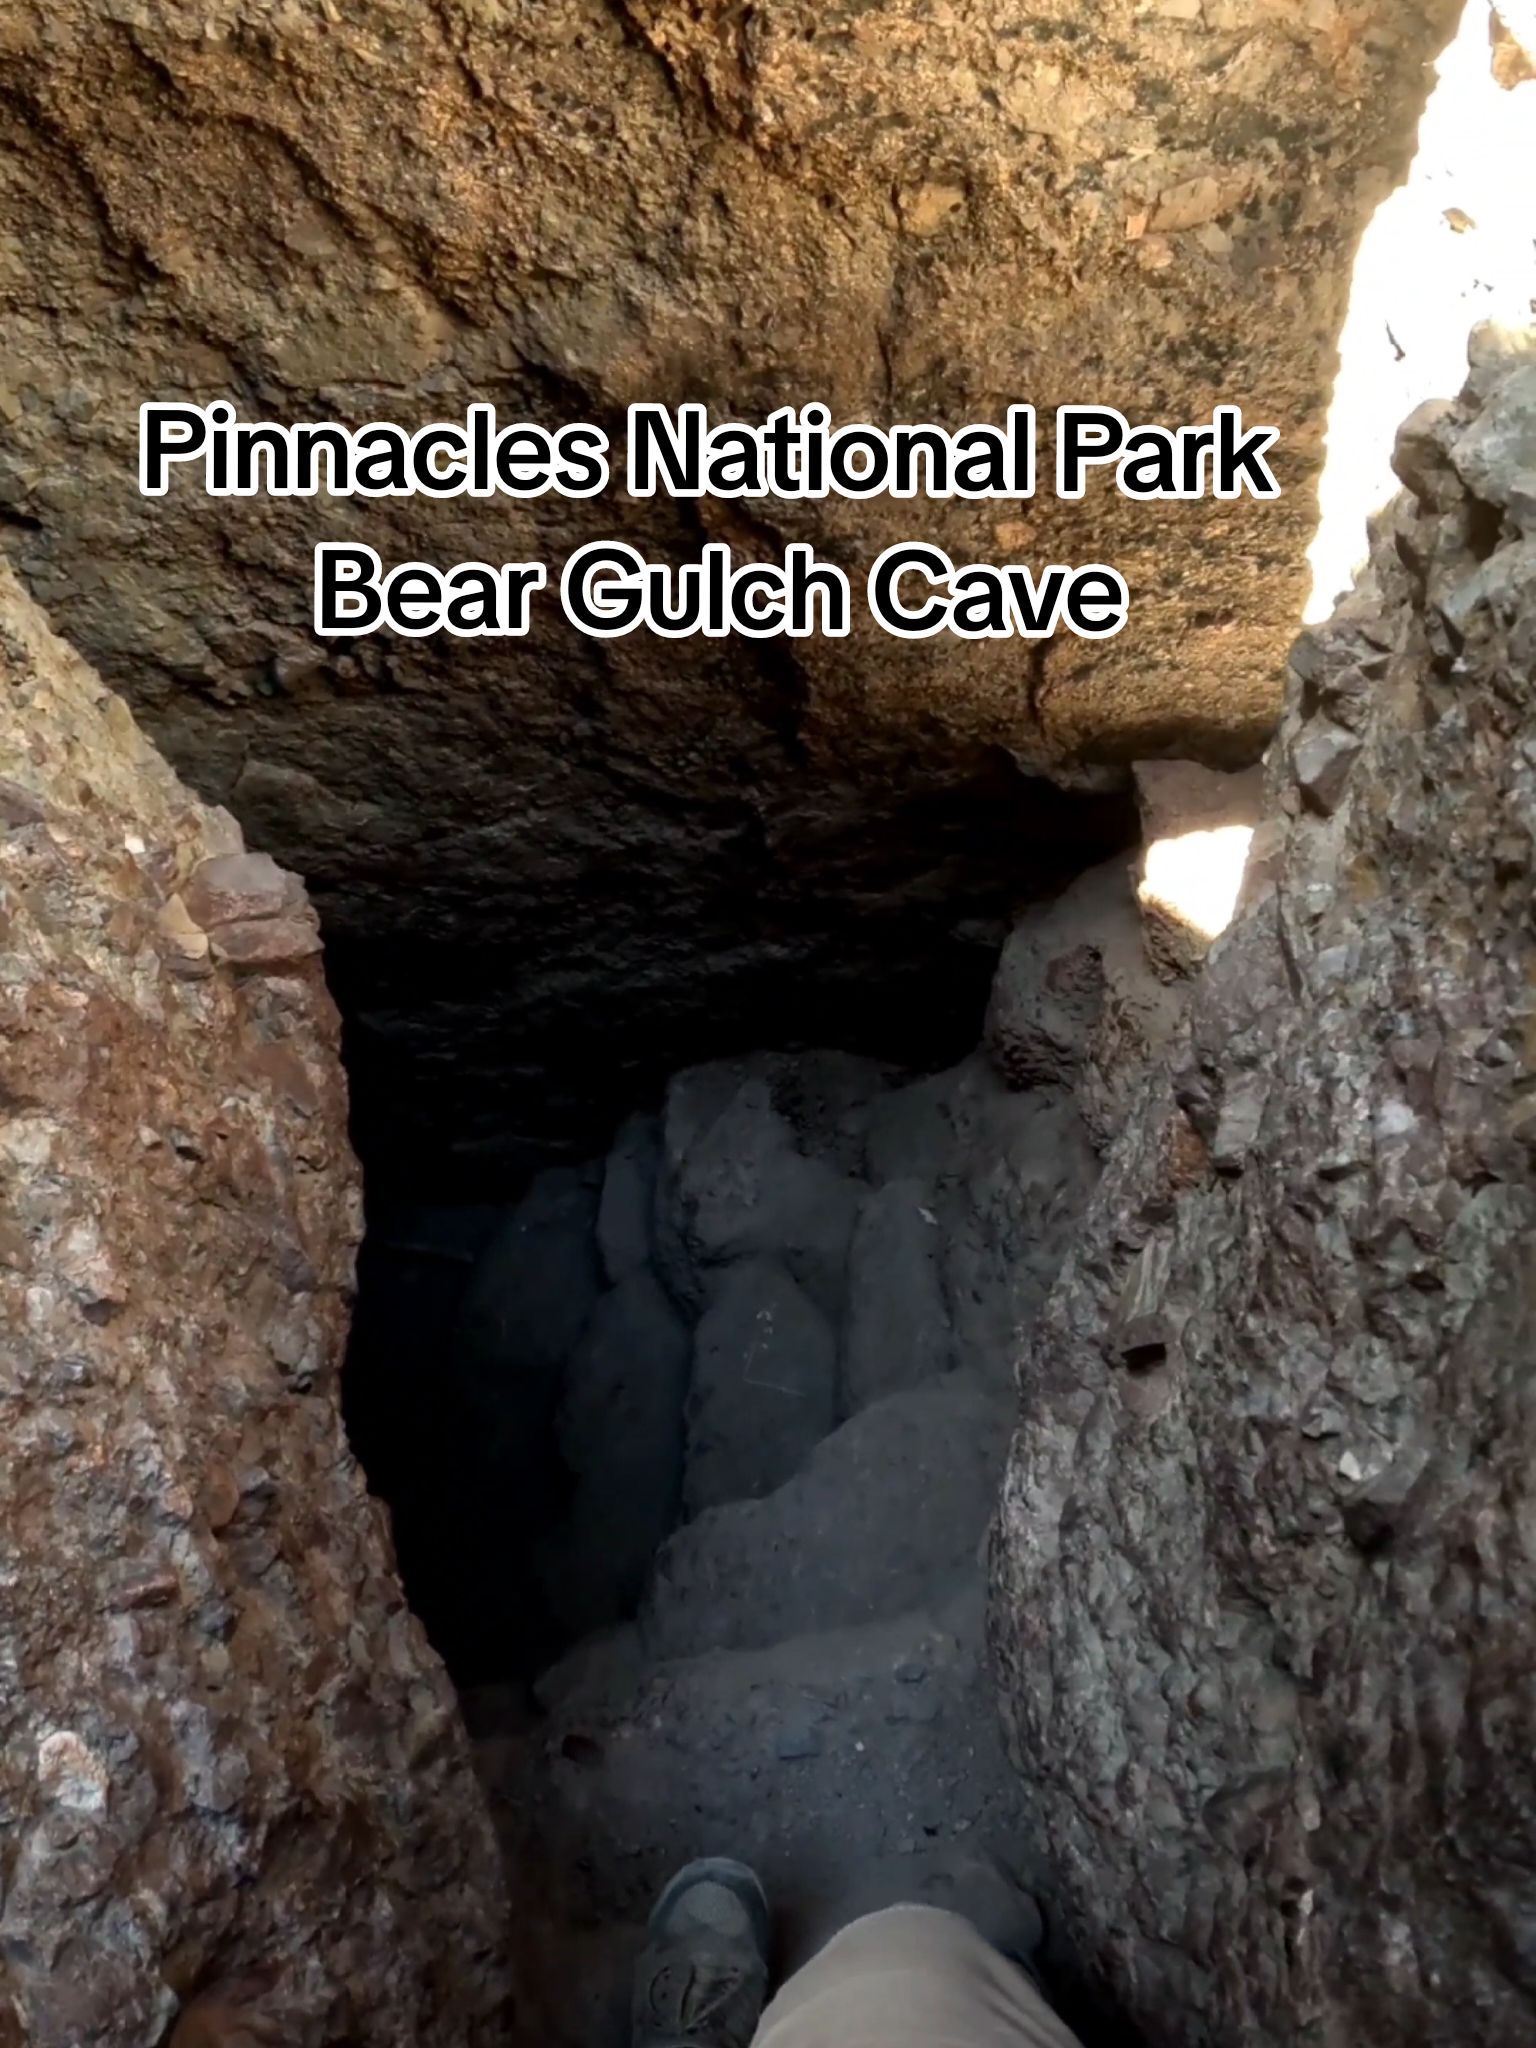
(225, 1748)
(379, 208)
(1264, 1570)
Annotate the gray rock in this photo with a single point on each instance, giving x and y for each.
(910, 1133)
(764, 1387)
(621, 1436)
(600, 1666)
(1046, 997)
(1494, 348)
(1495, 455)
(1421, 456)
(1075, 1001)
(1264, 1584)
(1500, 588)
(884, 1515)
(827, 1097)
(1320, 761)
(628, 1202)
(1020, 1174)
(736, 1185)
(897, 1331)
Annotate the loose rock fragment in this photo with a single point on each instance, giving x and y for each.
(1322, 759)
(237, 886)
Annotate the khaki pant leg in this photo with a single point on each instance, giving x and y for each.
(911, 1977)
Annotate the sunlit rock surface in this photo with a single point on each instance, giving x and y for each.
(386, 209)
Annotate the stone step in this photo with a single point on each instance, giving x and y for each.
(818, 1761)
(882, 1518)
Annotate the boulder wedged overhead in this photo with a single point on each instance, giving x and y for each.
(1263, 1583)
(384, 209)
(226, 1750)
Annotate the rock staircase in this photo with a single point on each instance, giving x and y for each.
(848, 1256)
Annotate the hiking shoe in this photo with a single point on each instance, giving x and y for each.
(703, 1978)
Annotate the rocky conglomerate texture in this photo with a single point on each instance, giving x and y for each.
(1264, 1575)
(387, 208)
(225, 1747)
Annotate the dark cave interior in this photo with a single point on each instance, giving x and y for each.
(456, 1419)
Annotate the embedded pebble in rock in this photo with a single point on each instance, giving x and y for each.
(225, 1746)
(1262, 1578)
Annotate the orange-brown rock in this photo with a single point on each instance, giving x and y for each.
(224, 1742)
(387, 209)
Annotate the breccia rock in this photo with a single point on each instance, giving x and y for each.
(387, 209)
(1263, 1575)
(226, 1750)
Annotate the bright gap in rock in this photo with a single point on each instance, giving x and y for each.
(1449, 247)
(1195, 876)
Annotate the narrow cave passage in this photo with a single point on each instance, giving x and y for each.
(691, 1430)
(736, 1036)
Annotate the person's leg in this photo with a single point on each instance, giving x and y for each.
(911, 1977)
